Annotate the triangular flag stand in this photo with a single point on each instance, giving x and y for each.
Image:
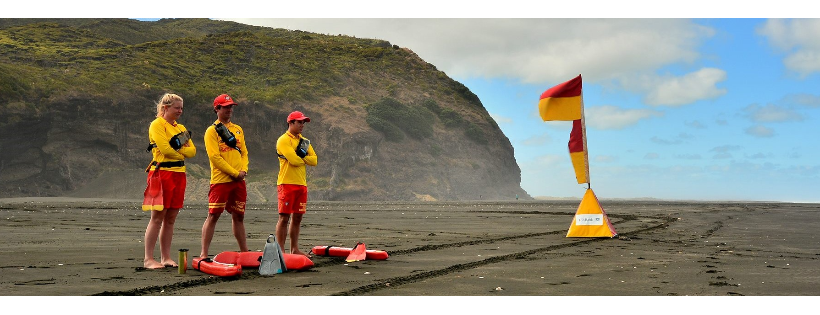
(590, 219)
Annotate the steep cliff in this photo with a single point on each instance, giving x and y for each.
(78, 96)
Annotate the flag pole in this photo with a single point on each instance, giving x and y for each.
(584, 136)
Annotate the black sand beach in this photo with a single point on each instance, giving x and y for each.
(63, 247)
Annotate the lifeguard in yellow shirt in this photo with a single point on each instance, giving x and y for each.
(294, 153)
(170, 145)
(228, 156)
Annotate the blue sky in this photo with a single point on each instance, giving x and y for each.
(691, 109)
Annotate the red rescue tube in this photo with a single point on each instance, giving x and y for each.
(244, 259)
(211, 267)
(252, 260)
(297, 262)
(344, 252)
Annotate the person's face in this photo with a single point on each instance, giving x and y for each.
(225, 112)
(173, 112)
(296, 126)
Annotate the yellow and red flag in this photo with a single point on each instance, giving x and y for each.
(565, 102)
(578, 151)
(562, 102)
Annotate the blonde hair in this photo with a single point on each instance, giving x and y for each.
(166, 101)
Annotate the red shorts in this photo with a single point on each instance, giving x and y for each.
(173, 188)
(292, 198)
(230, 196)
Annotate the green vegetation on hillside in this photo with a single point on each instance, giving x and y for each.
(82, 91)
(394, 120)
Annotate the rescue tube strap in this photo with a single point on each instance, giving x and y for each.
(198, 263)
(327, 250)
(169, 164)
(165, 164)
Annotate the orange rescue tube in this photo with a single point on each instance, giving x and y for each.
(344, 252)
(297, 262)
(252, 259)
(244, 259)
(211, 267)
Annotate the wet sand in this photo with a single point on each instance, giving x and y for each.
(81, 247)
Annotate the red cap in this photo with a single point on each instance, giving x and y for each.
(297, 115)
(224, 100)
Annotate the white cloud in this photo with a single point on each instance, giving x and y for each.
(613, 117)
(695, 124)
(688, 156)
(692, 87)
(657, 140)
(537, 140)
(541, 51)
(651, 156)
(605, 158)
(759, 131)
(759, 156)
(726, 148)
(501, 119)
(622, 52)
(799, 38)
(771, 113)
(804, 99)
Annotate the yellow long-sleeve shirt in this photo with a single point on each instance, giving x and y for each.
(292, 167)
(226, 162)
(160, 133)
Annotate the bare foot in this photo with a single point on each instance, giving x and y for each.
(169, 263)
(299, 252)
(152, 264)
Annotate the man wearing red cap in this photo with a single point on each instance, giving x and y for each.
(294, 152)
(228, 156)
